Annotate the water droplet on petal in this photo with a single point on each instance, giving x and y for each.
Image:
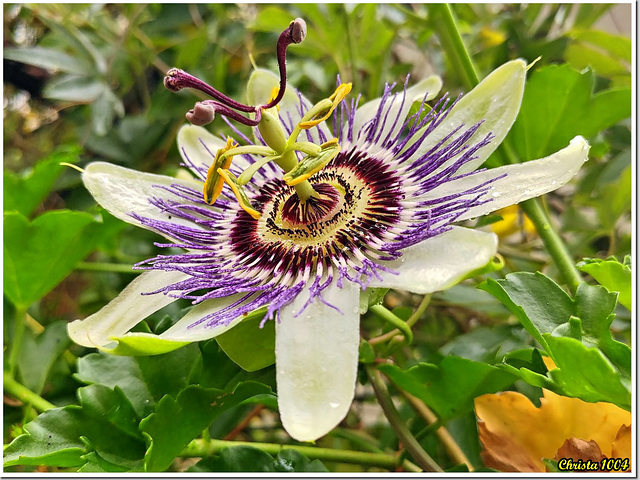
(334, 404)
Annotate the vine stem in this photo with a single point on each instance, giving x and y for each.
(388, 316)
(22, 393)
(20, 323)
(445, 25)
(205, 448)
(415, 316)
(409, 442)
(454, 450)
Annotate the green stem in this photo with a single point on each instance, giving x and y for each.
(19, 326)
(358, 438)
(409, 442)
(202, 448)
(451, 40)
(393, 319)
(369, 443)
(445, 25)
(432, 427)
(107, 267)
(23, 394)
(553, 243)
(412, 320)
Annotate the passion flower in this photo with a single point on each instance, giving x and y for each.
(303, 217)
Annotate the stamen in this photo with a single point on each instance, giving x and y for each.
(251, 170)
(295, 33)
(242, 198)
(341, 92)
(177, 79)
(312, 163)
(213, 184)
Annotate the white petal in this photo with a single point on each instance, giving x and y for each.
(316, 361)
(259, 88)
(496, 100)
(123, 191)
(523, 180)
(440, 262)
(126, 310)
(197, 146)
(366, 112)
(182, 333)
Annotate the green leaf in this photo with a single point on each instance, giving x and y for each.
(96, 464)
(289, 460)
(370, 297)
(609, 55)
(617, 46)
(39, 352)
(563, 97)
(73, 88)
(48, 58)
(595, 307)
(122, 372)
(248, 345)
(144, 380)
(112, 405)
(62, 436)
(614, 200)
(241, 459)
(176, 422)
(245, 458)
(449, 388)
(104, 109)
(538, 302)
(366, 353)
(611, 274)
(24, 192)
(575, 333)
(40, 254)
(586, 373)
(581, 56)
(486, 344)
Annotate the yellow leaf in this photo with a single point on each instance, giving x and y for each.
(517, 435)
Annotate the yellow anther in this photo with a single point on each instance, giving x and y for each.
(213, 184)
(341, 92)
(330, 143)
(274, 95)
(242, 198)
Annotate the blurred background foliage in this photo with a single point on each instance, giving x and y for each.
(84, 83)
